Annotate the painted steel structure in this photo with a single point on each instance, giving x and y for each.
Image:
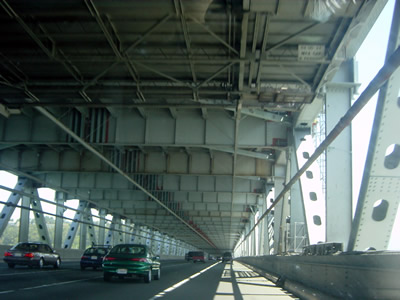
(182, 119)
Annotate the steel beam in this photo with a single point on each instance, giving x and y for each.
(73, 228)
(379, 80)
(379, 200)
(9, 208)
(39, 218)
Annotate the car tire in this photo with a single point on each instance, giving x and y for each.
(57, 264)
(82, 268)
(107, 276)
(147, 278)
(11, 266)
(158, 275)
(41, 263)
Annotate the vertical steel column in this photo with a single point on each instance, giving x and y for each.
(173, 246)
(73, 228)
(135, 234)
(253, 236)
(102, 225)
(110, 235)
(379, 199)
(311, 188)
(143, 235)
(128, 229)
(263, 250)
(166, 245)
(149, 235)
(9, 208)
(280, 211)
(83, 231)
(60, 198)
(248, 241)
(23, 235)
(119, 235)
(39, 217)
(339, 94)
(297, 211)
(90, 226)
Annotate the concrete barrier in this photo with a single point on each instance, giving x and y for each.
(346, 276)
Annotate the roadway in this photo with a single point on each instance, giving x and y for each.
(179, 280)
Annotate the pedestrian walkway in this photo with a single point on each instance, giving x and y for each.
(239, 282)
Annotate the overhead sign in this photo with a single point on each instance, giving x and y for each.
(311, 52)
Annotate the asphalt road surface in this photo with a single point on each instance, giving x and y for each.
(179, 280)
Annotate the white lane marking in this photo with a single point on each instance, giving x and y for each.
(180, 283)
(49, 285)
(39, 272)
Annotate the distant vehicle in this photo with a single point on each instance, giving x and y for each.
(93, 257)
(127, 260)
(227, 256)
(32, 255)
(196, 256)
(188, 257)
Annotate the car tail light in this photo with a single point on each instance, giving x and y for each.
(84, 257)
(7, 253)
(30, 255)
(108, 258)
(139, 259)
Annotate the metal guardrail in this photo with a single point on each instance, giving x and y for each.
(356, 275)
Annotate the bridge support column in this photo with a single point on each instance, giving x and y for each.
(119, 239)
(298, 226)
(339, 94)
(23, 235)
(9, 208)
(73, 228)
(128, 229)
(102, 223)
(89, 227)
(378, 202)
(165, 245)
(280, 211)
(252, 236)
(173, 246)
(39, 217)
(83, 233)
(60, 198)
(135, 234)
(311, 187)
(149, 237)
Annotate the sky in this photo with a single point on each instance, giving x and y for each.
(370, 58)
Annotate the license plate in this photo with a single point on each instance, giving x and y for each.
(94, 257)
(122, 271)
(17, 254)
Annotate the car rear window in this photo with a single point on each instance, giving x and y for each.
(139, 250)
(99, 251)
(26, 247)
(196, 253)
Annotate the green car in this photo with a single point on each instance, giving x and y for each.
(126, 260)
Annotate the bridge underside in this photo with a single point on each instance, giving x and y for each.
(171, 115)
